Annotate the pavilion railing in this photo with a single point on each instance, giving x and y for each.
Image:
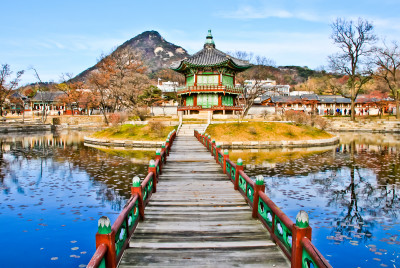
(111, 241)
(210, 88)
(294, 239)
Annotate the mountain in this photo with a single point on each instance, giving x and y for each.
(157, 53)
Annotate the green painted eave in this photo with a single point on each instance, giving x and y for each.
(228, 63)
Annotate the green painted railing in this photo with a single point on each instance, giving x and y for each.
(293, 238)
(111, 241)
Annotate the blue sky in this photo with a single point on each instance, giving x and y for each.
(59, 37)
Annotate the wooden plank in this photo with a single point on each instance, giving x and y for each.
(197, 219)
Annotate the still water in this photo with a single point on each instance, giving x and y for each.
(350, 192)
(52, 192)
(53, 189)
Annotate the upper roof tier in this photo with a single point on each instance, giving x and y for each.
(209, 56)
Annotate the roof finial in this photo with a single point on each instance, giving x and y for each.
(209, 40)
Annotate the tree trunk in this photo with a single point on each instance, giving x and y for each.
(353, 110)
(105, 116)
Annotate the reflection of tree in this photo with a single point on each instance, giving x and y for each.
(351, 222)
(357, 180)
(110, 174)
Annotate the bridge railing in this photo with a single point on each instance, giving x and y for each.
(111, 241)
(293, 238)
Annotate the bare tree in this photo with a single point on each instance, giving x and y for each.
(7, 87)
(71, 89)
(253, 83)
(354, 39)
(388, 61)
(40, 90)
(118, 81)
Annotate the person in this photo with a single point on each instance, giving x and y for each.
(345, 111)
(59, 113)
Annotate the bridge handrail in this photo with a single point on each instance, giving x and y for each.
(293, 238)
(98, 259)
(246, 187)
(111, 241)
(272, 217)
(312, 255)
(125, 225)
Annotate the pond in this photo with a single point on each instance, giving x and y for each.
(349, 191)
(53, 190)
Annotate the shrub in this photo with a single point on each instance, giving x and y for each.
(118, 118)
(321, 123)
(157, 128)
(301, 118)
(252, 131)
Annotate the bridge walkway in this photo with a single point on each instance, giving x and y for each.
(196, 218)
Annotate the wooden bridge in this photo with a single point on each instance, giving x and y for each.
(197, 218)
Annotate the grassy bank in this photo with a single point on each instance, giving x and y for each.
(272, 157)
(150, 132)
(260, 131)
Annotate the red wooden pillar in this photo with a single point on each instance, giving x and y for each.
(219, 100)
(239, 166)
(300, 229)
(106, 236)
(259, 186)
(137, 189)
(194, 99)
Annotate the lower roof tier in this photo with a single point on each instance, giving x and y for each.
(209, 89)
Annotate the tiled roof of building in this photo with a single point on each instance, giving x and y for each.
(47, 96)
(333, 99)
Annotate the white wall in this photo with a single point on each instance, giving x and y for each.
(164, 110)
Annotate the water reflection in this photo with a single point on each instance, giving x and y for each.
(52, 191)
(350, 193)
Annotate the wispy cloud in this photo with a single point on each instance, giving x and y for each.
(264, 12)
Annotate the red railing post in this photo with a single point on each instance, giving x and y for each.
(153, 168)
(217, 152)
(106, 236)
(212, 148)
(239, 166)
(300, 229)
(226, 157)
(259, 186)
(137, 189)
(164, 151)
(160, 163)
(167, 146)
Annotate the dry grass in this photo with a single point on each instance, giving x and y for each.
(135, 132)
(260, 131)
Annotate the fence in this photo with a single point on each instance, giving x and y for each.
(293, 238)
(111, 241)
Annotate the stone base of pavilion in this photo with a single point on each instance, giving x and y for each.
(209, 114)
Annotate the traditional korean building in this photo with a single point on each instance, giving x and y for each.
(210, 80)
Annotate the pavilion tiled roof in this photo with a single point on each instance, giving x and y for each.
(210, 56)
